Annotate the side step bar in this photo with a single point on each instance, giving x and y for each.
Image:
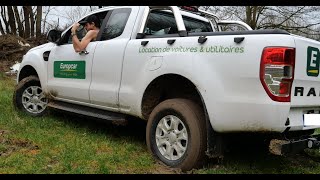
(285, 147)
(87, 111)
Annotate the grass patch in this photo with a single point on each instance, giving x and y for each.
(61, 143)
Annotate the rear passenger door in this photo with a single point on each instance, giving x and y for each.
(114, 35)
(161, 43)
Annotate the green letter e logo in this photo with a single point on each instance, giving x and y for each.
(313, 60)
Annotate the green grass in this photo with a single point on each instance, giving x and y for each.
(67, 144)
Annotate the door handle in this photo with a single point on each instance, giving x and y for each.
(171, 41)
(144, 43)
(238, 39)
(83, 52)
(202, 39)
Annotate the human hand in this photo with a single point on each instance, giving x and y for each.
(75, 27)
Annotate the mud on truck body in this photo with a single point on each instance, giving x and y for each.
(191, 81)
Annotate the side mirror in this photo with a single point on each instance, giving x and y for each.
(54, 36)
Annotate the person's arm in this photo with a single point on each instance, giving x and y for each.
(77, 45)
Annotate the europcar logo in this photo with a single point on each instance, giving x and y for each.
(313, 61)
(69, 69)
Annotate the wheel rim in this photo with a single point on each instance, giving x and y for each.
(171, 137)
(34, 100)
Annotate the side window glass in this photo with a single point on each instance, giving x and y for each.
(116, 24)
(81, 32)
(160, 23)
(194, 25)
(232, 27)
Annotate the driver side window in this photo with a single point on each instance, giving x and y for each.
(81, 32)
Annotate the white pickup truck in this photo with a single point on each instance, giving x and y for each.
(192, 82)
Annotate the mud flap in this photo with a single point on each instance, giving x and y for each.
(215, 142)
(286, 147)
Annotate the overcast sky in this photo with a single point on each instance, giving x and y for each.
(66, 15)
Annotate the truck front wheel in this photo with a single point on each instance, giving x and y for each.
(29, 97)
(176, 134)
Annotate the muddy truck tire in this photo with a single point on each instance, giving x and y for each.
(29, 97)
(176, 134)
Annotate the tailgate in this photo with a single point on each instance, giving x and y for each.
(306, 85)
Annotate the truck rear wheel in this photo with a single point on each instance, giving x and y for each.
(176, 134)
(29, 97)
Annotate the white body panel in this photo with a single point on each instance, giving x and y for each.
(34, 58)
(120, 70)
(228, 82)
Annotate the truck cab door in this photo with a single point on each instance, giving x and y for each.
(69, 72)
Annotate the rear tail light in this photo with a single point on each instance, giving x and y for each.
(277, 72)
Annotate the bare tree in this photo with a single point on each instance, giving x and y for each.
(4, 18)
(11, 20)
(26, 14)
(47, 10)
(301, 20)
(18, 20)
(38, 21)
(76, 13)
(1, 27)
(32, 23)
(26, 23)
